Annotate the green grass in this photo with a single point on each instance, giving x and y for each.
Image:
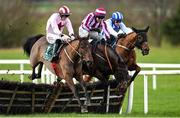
(163, 102)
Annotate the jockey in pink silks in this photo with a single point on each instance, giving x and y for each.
(92, 22)
(54, 29)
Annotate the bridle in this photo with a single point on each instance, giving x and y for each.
(132, 44)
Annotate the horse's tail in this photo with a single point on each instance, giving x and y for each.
(30, 42)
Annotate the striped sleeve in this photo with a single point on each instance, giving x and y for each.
(86, 22)
(105, 30)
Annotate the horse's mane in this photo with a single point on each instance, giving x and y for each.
(78, 38)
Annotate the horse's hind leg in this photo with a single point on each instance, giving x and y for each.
(34, 64)
(39, 70)
(33, 75)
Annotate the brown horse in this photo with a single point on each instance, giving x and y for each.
(125, 48)
(106, 63)
(69, 66)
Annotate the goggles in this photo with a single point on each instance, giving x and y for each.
(101, 17)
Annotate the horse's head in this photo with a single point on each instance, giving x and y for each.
(141, 40)
(138, 39)
(85, 51)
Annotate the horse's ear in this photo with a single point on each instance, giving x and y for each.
(134, 29)
(147, 28)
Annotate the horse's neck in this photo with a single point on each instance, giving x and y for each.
(72, 49)
(110, 52)
(126, 46)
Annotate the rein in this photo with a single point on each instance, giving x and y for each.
(108, 57)
(74, 50)
(124, 47)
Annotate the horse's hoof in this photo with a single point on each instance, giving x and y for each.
(30, 77)
(84, 109)
(102, 103)
(87, 102)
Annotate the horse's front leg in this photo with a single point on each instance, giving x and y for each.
(105, 84)
(39, 70)
(83, 84)
(79, 78)
(69, 80)
(137, 70)
(33, 75)
(104, 79)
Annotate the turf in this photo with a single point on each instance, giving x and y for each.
(163, 102)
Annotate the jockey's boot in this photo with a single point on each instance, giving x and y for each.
(56, 50)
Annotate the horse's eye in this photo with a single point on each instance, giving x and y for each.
(140, 38)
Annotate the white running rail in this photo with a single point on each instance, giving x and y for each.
(153, 70)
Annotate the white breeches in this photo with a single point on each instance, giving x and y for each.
(51, 38)
(83, 33)
(92, 34)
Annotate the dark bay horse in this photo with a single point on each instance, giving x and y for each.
(125, 48)
(69, 66)
(106, 63)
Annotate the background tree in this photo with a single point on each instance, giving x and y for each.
(171, 28)
(16, 22)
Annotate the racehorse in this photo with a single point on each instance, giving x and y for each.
(106, 63)
(125, 48)
(69, 65)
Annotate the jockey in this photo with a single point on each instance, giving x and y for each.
(92, 25)
(54, 29)
(116, 27)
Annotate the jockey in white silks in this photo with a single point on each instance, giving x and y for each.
(116, 27)
(92, 22)
(54, 29)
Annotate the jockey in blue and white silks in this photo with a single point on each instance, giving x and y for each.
(116, 27)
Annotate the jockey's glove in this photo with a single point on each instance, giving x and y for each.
(123, 35)
(72, 36)
(96, 30)
(68, 39)
(61, 35)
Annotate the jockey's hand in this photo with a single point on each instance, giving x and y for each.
(61, 35)
(121, 35)
(68, 39)
(96, 30)
(72, 37)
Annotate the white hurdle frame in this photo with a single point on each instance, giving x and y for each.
(155, 70)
